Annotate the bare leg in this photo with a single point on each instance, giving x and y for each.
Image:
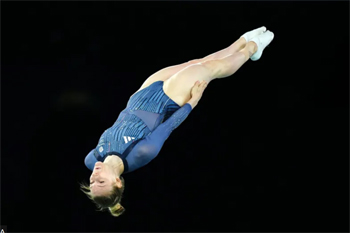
(166, 73)
(235, 47)
(233, 62)
(179, 86)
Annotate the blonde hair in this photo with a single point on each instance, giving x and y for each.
(111, 201)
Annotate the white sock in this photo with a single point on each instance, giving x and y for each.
(262, 41)
(253, 33)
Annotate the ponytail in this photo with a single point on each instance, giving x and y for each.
(116, 210)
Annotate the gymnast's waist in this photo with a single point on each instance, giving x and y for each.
(149, 119)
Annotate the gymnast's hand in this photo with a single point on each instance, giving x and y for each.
(197, 92)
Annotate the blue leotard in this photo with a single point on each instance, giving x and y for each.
(141, 129)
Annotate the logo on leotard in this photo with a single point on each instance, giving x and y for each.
(128, 139)
(101, 149)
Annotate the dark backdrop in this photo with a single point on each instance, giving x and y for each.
(265, 150)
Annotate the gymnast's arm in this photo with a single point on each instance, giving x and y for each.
(148, 148)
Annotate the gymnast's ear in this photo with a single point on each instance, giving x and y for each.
(119, 182)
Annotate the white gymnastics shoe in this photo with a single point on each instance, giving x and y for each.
(251, 34)
(261, 41)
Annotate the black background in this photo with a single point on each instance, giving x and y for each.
(265, 149)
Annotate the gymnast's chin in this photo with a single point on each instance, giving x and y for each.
(107, 185)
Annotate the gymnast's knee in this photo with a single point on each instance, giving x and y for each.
(214, 67)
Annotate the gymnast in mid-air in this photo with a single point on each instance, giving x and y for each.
(161, 104)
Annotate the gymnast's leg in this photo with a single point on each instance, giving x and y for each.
(179, 86)
(166, 73)
(235, 47)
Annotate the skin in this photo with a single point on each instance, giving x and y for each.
(179, 79)
(239, 46)
(106, 175)
(197, 92)
(178, 86)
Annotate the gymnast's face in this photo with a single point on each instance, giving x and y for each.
(101, 180)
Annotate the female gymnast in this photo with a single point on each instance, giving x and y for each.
(161, 104)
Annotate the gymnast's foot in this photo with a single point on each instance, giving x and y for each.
(248, 36)
(261, 41)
